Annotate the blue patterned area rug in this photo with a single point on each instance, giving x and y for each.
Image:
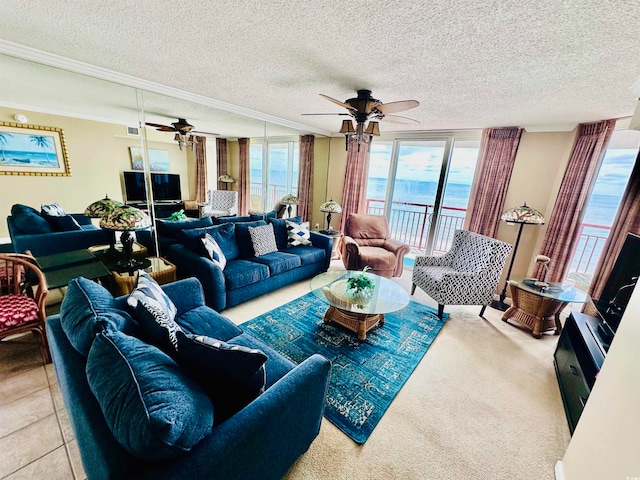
(365, 377)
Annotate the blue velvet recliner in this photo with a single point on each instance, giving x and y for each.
(262, 440)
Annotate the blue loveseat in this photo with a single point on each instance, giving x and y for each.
(262, 440)
(246, 276)
(30, 230)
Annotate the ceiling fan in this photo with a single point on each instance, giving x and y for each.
(184, 132)
(367, 110)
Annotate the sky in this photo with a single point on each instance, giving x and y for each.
(21, 142)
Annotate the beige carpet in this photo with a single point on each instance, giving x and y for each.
(483, 404)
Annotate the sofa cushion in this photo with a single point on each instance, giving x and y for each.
(87, 309)
(172, 229)
(244, 240)
(232, 375)
(152, 407)
(62, 223)
(263, 216)
(28, 220)
(240, 273)
(232, 219)
(279, 262)
(263, 240)
(206, 321)
(148, 292)
(223, 234)
(280, 229)
(308, 254)
(298, 234)
(215, 253)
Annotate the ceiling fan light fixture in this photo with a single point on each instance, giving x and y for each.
(188, 140)
(347, 127)
(373, 129)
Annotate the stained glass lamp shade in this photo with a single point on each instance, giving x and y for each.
(99, 209)
(330, 208)
(126, 219)
(289, 200)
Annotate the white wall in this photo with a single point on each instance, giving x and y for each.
(606, 442)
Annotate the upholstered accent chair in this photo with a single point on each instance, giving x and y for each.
(467, 274)
(367, 242)
(23, 290)
(220, 203)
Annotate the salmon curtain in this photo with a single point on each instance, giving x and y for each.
(201, 169)
(564, 224)
(305, 176)
(355, 182)
(244, 194)
(497, 155)
(627, 221)
(221, 159)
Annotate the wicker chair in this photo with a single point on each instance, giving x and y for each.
(468, 274)
(23, 290)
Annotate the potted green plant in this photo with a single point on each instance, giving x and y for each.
(360, 288)
(178, 216)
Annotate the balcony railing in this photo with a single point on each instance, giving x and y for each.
(589, 247)
(273, 194)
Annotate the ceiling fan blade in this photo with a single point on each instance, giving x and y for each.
(164, 128)
(338, 102)
(399, 119)
(205, 133)
(394, 107)
(326, 114)
(156, 125)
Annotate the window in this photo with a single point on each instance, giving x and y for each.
(274, 175)
(603, 204)
(422, 186)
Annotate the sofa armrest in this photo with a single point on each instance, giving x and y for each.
(325, 242)
(421, 261)
(265, 438)
(186, 294)
(81, 218)
(350, 251)
(49, 243)
(190, 264)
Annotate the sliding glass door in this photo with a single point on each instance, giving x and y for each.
(422, 186)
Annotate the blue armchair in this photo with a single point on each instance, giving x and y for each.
(260, 441)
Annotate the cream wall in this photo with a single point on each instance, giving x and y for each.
(97, 151)
(605, 443)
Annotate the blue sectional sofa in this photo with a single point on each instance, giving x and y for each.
(30, 230)
(261, 440)
(246, 276)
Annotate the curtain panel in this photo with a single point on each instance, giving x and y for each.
(627, 221)
(244, 193)
(201, 169)
(564, 225)
(497, 155)
(305, 176)
(355, 182)
(221, 161)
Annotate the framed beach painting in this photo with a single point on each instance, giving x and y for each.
(33, 150)
(158, 159)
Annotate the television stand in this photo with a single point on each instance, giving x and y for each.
(578, 359)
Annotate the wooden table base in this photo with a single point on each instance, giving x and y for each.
(535, 312)
(359, 323)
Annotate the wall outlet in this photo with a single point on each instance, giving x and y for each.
(317, 226)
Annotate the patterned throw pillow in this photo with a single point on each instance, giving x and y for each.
(155, 301)
(263, 239)
(53, 209)
(215, 252)
(298, 234)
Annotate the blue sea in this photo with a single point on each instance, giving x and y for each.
(20, 158)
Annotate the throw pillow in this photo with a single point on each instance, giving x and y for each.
(263, 239)
(87, 309)
(62, 223)
(298, 234)
(214, 251)
(156, 328)
(153, 409)
(280, 230)
(28, 220)
(150, 294)
(52, 209)
(232, 375)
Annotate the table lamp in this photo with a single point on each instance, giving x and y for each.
(289, 200)
(99, 209)
(226, 179)
(330, 208)
(522, 216)
(127, 219)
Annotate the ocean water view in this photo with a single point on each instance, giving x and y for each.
(23, 158)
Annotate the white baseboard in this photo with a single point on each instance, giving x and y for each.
(559, 470)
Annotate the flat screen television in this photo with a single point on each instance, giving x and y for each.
(165, 187)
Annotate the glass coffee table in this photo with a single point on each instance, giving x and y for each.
(538, 307)
(387, 297)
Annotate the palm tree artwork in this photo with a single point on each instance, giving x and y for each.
(3, 142)
(42, 142)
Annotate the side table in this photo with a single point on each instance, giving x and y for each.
(161, 270)
(538, 308)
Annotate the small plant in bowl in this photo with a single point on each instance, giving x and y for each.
(178, 216)
(360, 288)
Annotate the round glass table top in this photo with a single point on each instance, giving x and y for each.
(387, 296)
(554, 291)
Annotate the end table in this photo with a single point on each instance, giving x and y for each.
(161, 270)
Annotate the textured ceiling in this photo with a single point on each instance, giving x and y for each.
(471, 64)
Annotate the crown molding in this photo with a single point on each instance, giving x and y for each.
(45, 58)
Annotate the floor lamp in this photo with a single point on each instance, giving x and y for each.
(520, 216)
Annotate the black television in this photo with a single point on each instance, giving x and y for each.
(165, 187)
